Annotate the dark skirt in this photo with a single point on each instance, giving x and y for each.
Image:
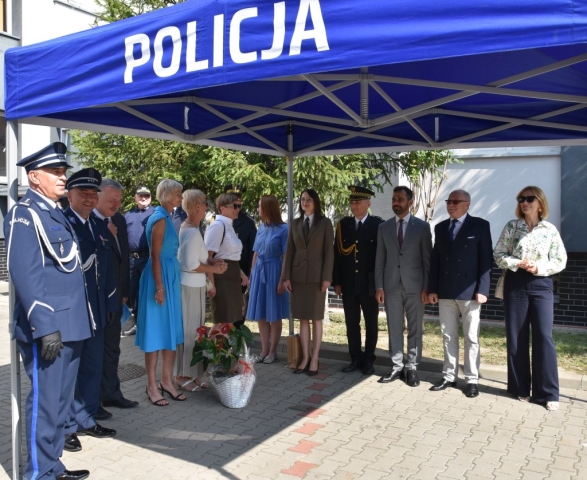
(307, 301)
(227, 305)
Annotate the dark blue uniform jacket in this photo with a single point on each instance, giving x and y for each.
(49, 296)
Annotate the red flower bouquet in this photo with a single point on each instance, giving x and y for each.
(221, 346)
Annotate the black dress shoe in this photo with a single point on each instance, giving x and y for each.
(471, 390)
(391, 376)
(121, 403)
(97, 431)
(412, 378)
(131, 331)
(102, 414)
(72, 443)
(368, 368)
(73, 475)
(299, 370)
(354, 365)
(444, 383)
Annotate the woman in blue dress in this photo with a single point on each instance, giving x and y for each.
(160, 324)
(268, 300)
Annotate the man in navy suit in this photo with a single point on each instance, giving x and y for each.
(109, 202)
(92, 234)
(460, 272)
(51, 318)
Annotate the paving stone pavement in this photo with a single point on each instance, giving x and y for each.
(333, 425)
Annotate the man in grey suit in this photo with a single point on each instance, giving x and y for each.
(402, 266)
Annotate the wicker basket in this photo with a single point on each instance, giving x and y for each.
(235, 391)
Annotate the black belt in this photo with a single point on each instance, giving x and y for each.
(139, 254)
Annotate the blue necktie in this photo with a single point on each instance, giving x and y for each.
(451, 230)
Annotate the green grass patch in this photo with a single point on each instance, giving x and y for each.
(571, 347)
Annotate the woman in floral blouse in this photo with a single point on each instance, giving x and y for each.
(537, 252)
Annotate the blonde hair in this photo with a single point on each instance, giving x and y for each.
(191, 198)
(540, 196)
(166, 188)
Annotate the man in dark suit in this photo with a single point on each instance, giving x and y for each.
(355, 246)
(109, 202)
(459, 282)
(402, 265)
(246, 230)
(92, 234)
(51, 318)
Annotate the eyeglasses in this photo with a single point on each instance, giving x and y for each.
(455, 202)
(237, 206)
(528, 198)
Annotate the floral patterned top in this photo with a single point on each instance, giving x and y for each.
(543, 245)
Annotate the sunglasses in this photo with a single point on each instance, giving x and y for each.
(237, 206)
(528, 198)
(454, 202)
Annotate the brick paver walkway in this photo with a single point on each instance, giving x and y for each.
(341, 426)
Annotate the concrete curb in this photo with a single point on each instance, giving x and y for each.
(495, 373)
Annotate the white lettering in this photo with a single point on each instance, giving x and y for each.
(21, 220)
(318, 33)
(173, 68)
(235, 36)
(132, 62)
(192, 64)
(218, 55)
(168, 44)
(278, 33)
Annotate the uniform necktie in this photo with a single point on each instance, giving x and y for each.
(359, 225)
(451, 230)
(306, 228)
(400, 233)
(87, 225)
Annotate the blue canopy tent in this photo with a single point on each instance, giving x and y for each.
(316, 77)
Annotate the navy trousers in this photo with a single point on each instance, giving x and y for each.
(353, 304)
(47, 406)
(86, 399)
(110, 385)
(529, 304)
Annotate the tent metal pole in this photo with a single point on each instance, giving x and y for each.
(290, 212)
(12, 138)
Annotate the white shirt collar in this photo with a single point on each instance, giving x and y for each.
(357, 220)
(224, 219)
(460, 219)
(99, 215)
(53, 203)
(406, 219)
(81, 219)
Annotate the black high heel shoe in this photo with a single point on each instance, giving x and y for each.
(299, 370)
(180, 397)
(311, 373)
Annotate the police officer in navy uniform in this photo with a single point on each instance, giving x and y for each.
(246, 230)
(136, 222)
(355, 246)
(92, 235)
(51, 317)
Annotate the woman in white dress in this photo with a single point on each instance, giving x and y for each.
(193, 258)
